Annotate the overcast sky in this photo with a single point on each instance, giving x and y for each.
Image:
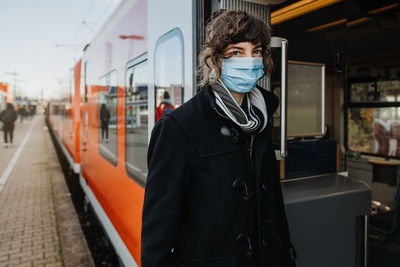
(30, 31)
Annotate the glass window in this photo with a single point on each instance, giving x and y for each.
(168, 73)
(136, 120)
(360, 134)
(108, 117)
(373, 120)
(375, 130)
(83, 82)
(362, 92)
(375, 91)
(305, 110)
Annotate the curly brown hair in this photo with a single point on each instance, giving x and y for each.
(231, 27)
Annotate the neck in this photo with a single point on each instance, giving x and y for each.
(238, 97)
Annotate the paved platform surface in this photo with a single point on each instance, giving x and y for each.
(38, 223)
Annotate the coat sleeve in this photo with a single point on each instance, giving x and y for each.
(164, 194)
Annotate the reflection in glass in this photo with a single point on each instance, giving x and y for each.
(375, 91)
(136, 121)
(389, 91)
(108, 117)
(168, 71)
(363, 92)
(375, 130)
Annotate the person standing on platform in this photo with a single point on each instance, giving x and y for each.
(21, 113)
(213, 194)
(8, 117)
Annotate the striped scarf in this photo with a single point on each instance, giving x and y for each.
(231, 109)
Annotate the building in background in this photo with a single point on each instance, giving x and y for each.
(5, 95)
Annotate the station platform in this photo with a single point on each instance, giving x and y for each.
(38, 222)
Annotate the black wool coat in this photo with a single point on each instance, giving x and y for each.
(8, 117)
(210, 201)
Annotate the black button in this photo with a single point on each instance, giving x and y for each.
(264, 187)
(240, 238)
(237, 185)
(264, 242)
(249, 254)
(244, 240)
(226, 131)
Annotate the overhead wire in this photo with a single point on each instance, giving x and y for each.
(100, 20)
(80, 26)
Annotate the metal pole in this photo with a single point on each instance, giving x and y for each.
(366, 240)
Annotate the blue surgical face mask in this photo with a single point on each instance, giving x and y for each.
(241, 74)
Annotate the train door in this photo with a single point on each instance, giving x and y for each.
(171, 55)
(84, 112)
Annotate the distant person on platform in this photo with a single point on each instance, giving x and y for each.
(31, 111)
(8, 117)
(165, 106)
(21, 114)
(104, 119)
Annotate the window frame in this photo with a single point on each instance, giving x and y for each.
(348, 104)
(106, 76)
(174, 32)
(132, 64)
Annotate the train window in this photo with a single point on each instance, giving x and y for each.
(373, 117)
(83, 83)
(108, 117)
(168, 73)
(136, 119)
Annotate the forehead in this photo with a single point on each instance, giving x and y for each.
(242, 45)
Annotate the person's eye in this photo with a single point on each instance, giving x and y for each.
(236, 53)
(257, 52)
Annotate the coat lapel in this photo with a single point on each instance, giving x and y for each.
(209, 133)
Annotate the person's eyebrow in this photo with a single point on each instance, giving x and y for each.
(258, 46)
(236, 47)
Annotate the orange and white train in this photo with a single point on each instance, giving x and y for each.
(147, 48)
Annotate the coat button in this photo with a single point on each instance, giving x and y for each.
(226, 131)
(237, 185)
(249, 254)
(264, 243)
(264, 187)
(240, 238)
(244, 240)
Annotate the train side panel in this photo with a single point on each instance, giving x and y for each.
(64, 117)
(76, 117)
(118, 198)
